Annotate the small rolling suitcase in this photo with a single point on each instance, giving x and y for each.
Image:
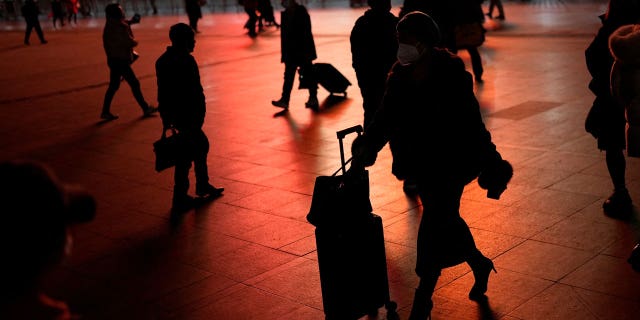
(351, 251)
(330, 78)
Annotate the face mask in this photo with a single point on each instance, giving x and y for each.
(407, 54)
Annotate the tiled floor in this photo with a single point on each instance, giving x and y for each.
(251, 254)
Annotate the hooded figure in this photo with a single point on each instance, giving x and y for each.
(429, 108)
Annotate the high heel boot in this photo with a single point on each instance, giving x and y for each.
(481, 268)
(422, 305)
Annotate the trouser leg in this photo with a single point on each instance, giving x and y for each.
(133, 82)
(289, 75)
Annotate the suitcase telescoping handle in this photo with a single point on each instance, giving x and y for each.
(341, 134)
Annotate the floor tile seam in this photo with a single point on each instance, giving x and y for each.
(250, 242)
(155, 300)
(290, 299)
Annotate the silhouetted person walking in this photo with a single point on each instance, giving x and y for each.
(194, 13)
(373, 52)
(267, 16)
(30, 12)
(72, 11)
(498, 5)
(470, 12)
(606, 119)
(39, 212)
(57, 12)
(250, 8)
(431, 119)
(298, 52)
(118, 42)
(183, 107)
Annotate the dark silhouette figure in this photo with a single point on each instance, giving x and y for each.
(373, 52)
(606, 119)
(194, 12)
(250, 7)
(57, 12)
(154, 7)
(72, 11)
(182, 106)
(429, 108)
(298, 52)
(39, 213)
(118, 42)
(267, 17)
(498, 5)
(30, 12)
(467, 12)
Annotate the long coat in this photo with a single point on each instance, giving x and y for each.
(296, 39)
(431, 119)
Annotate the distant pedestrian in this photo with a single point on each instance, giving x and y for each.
(267, 17)
(72, 11)
(373, 51)
(298, 50)
(606, 119)
(39, 215)
(250, 8)
(496, 4)
(57, 12)
(118, 42)
(182, 106)
(469, 13)
(194, 13)
(431, 119)
(30, 12)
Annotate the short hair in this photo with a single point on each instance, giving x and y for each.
(113, 11)
(421, 26)
(180, 32)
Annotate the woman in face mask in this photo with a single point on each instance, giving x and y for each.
(431, 119)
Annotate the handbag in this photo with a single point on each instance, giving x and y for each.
(341, 201)
(469, 35)
(167, 149)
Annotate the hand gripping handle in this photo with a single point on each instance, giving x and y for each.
(341, 134)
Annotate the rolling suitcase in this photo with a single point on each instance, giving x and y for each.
(351, 251)
(330, 78)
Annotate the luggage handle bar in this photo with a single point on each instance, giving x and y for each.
(341, 134)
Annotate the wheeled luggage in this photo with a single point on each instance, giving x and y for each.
(350, 244)
(330, 78)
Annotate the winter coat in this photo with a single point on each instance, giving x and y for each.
(373, 44)
(181, 100)
(296, 39)
(431, 119)
(606, 116)
(624, 44)
(118, 41)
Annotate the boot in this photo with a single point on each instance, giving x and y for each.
(422, 305)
